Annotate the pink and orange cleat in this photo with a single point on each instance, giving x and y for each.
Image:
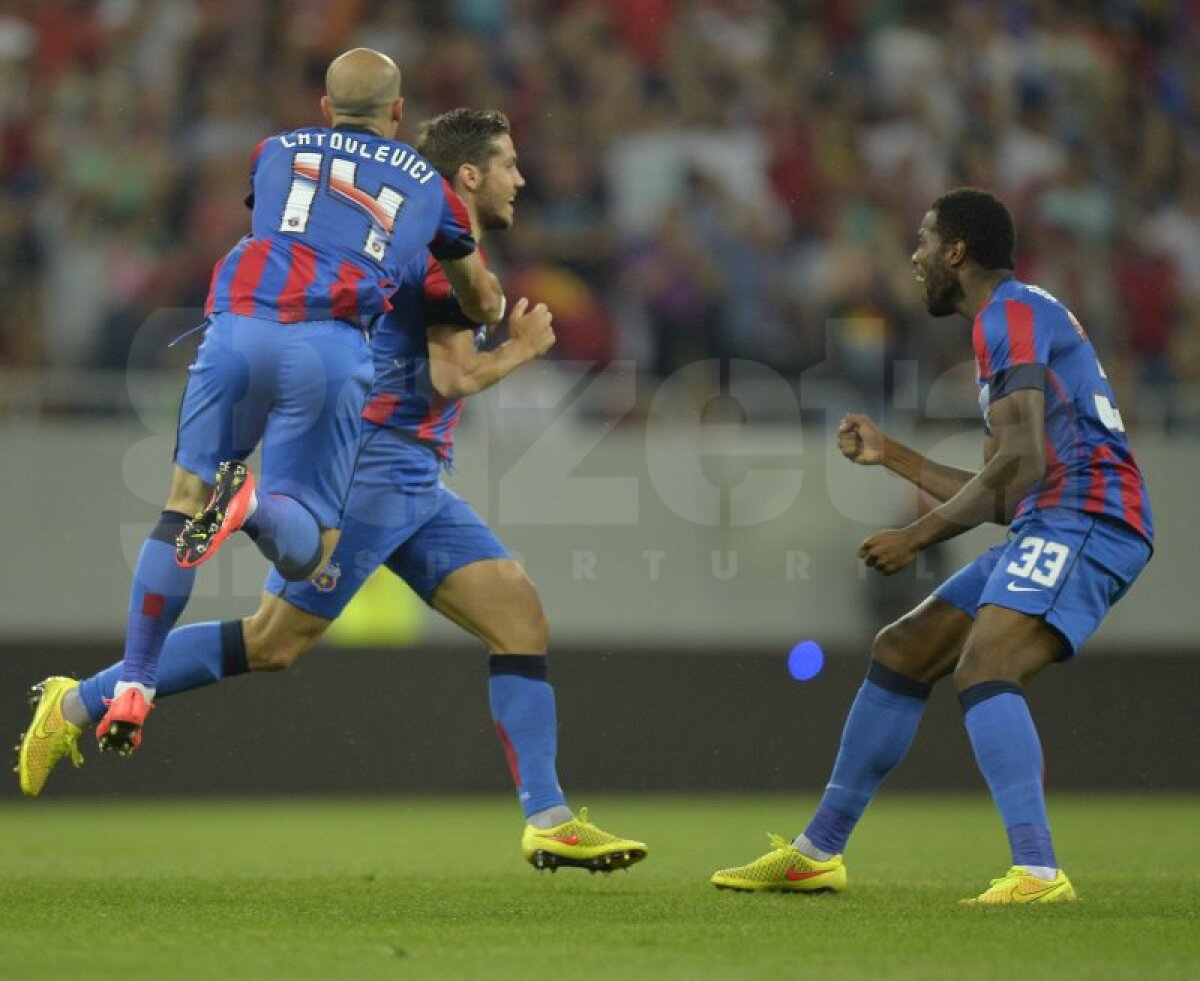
(231, 503)
(121, 728)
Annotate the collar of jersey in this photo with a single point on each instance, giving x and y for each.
(351, 128)
(1006, 281)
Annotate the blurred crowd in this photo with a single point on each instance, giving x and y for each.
(706, 178)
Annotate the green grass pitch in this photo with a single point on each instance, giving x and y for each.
(428, 889)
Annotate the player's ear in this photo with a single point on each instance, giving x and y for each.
(398, 110)
(471, 176)
(326, 110)
(956, 254)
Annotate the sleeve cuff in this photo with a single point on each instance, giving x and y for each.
(1015, 378)
(450, 249)
(446, 311)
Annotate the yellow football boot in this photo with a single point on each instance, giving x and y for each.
(784, 870)
(579, 844)
(49, 737)
(1019, 886)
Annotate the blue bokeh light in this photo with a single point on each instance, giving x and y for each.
(806, 660)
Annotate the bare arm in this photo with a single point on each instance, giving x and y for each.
(1018, 462)
(861, 441)
(458, 370)
(936, 479)
(1015, 461)
(475, 287)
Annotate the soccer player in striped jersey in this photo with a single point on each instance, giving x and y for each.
(338, 213)
(1057, 465)
(429, 356)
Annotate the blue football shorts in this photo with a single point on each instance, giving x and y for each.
(399, 514)
(299, 389)
(1065, 566)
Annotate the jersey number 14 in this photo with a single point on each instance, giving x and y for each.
(380, 209)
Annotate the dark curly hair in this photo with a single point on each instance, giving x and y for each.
(979, 219)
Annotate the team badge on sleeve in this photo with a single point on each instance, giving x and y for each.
(326, 580)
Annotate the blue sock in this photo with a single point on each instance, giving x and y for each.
(193, 656)
(157, 596)
(1010, 757)
(879, 729)
(522, 703)
(287, 534)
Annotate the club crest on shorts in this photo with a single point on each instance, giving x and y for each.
(327, 579)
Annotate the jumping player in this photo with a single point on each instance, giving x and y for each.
(337, 213)
(427, 359)
(1058, 465)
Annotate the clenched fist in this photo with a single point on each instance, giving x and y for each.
(532, 328)
(890, 551)
(860, 440)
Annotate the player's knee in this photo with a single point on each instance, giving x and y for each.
(893, 647)
(538, 629)
(271, 646)
(276, 656)
(281, 654)
(526, 630)
(978, 665)
(986, 656)
(188, 494)
(976, 668)
(525, 633)
(966, 672)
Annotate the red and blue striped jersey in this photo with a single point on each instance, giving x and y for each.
(337, 214)
(1025, 338)
(403, 396)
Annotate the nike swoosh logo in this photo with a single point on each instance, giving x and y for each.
(566, 839)
(1040, 888)
(794, 876)
(40, 731)
(1014, 588)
